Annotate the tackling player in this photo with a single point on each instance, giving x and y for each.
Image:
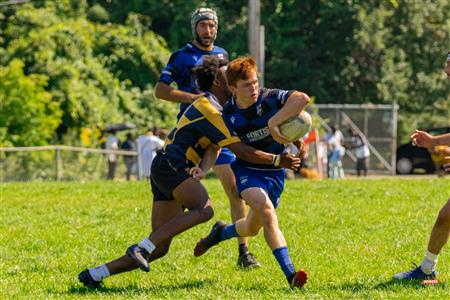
(189, 151)
(441, 229)
(204, 26)
(255, 115)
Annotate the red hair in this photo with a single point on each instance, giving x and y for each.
(240, 69)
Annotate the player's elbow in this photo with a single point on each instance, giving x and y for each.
(240, 150)
(303, 99)
(159, 90)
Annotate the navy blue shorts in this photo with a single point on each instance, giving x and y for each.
(164, 178)
(226, 157)
(272, 181)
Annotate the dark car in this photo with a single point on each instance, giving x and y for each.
(411, 158)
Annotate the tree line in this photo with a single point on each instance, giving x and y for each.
(72, 66)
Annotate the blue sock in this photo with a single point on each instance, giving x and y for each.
(228, 232)
(285, 262)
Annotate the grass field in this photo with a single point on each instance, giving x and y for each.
(350, 236)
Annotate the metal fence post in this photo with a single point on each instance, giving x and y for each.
(58, 164)
(394, 138)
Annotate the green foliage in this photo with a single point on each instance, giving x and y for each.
(97, 13)
(342, 51)
(350, 236)
(408, 43)
(28, 116)
(97, 73)
(102, 57)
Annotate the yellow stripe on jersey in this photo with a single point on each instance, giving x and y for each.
(185, 121)
(166, 143)
(204, 142)
(192, 155)
(229, 141)
(213, 116)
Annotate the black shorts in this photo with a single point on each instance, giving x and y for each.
(164, 178)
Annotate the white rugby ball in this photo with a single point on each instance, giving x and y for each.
(297, 126)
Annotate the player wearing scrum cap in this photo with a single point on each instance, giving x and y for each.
(204, 25)
(441, 229)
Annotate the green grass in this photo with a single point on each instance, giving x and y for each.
(351, 236)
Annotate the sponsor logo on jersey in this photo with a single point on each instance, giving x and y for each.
(259, 110)
(257, 135)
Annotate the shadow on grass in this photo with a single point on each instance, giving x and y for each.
(391, 285)
(352, 287)
(133, 288)
(394, 284)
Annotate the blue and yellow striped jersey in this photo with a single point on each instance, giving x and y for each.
(200, 125)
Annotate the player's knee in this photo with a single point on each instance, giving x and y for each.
(443, 218)
(206, 213)
(269, 215)
(253, 230)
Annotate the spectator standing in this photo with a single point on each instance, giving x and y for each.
(336, 152)
(362, 152)
(112, 143)
(147, 146)
(129, 160)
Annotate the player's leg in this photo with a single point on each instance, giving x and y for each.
(438, 238)
(192, 195)
(248, 226)
(262, 213)
(238, 211)
(162, 212)
(441, 230)
(189, 194)
(263, 205)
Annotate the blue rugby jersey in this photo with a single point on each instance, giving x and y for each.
(179, 68)
(200, 125)
(250, 124)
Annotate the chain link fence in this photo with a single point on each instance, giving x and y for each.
(377, 123)
(62, 163)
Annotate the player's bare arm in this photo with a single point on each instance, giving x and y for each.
(424, 139)
(166, 92)
(250, 154)
(209, 159)
(294, 105)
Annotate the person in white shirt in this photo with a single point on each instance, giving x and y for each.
(362, 152)
(336, 152)
(112, 143)
(147, 145)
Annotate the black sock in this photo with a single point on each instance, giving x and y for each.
(290, 277)
(243, 249)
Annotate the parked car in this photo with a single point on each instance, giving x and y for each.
(411, 159)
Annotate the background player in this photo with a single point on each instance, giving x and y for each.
(441, 229)
(204, 25)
